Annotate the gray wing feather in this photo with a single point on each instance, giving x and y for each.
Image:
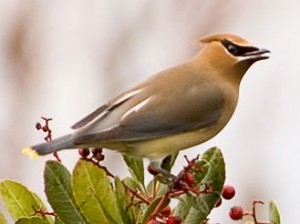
(102, 111)
(163, 117)
(89, 117)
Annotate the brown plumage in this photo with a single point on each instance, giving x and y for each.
(177, 108)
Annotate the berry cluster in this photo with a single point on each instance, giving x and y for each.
(96, 157)
(181, 184)
(237, 212)
(46, 128)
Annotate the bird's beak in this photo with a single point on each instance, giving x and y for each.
(257, 55)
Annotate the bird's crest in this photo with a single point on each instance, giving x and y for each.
(225, 36)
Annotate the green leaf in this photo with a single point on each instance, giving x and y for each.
(129, 182)
(160, 188)
(32, 220)
(19, 201)
(194, 209)
(136, 167)
(2, 219)
(48, 218)
(274, 215)
(58, 220)
(127, 211)
(59, 193)
(94, 194)
(199, 176)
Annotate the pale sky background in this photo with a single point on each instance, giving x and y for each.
(63, 59)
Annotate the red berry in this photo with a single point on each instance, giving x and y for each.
(97, 154)
(84, 152)
(152, 171)
(173, 220)
(228, 192)
(45, 128)
(96, 151)
(189, 179)
(236, 212)
(38, 126)
(218, 203)
(167, 211)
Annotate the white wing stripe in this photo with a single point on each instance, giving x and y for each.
(126, 96)
(136, 108)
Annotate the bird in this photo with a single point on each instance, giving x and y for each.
(173, 110)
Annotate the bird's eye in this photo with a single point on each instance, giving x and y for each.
(232, 49)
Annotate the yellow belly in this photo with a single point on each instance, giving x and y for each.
(161, 147)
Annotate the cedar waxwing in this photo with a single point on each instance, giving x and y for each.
(177, 108)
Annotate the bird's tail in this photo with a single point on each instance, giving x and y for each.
(64, 142)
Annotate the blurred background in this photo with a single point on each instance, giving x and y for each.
(62, 59)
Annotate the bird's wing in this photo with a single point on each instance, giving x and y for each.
(101, 112)
(147, 116)
(89, 117)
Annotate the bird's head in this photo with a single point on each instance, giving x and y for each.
(230, 53)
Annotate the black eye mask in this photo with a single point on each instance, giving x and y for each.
(237, 50)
